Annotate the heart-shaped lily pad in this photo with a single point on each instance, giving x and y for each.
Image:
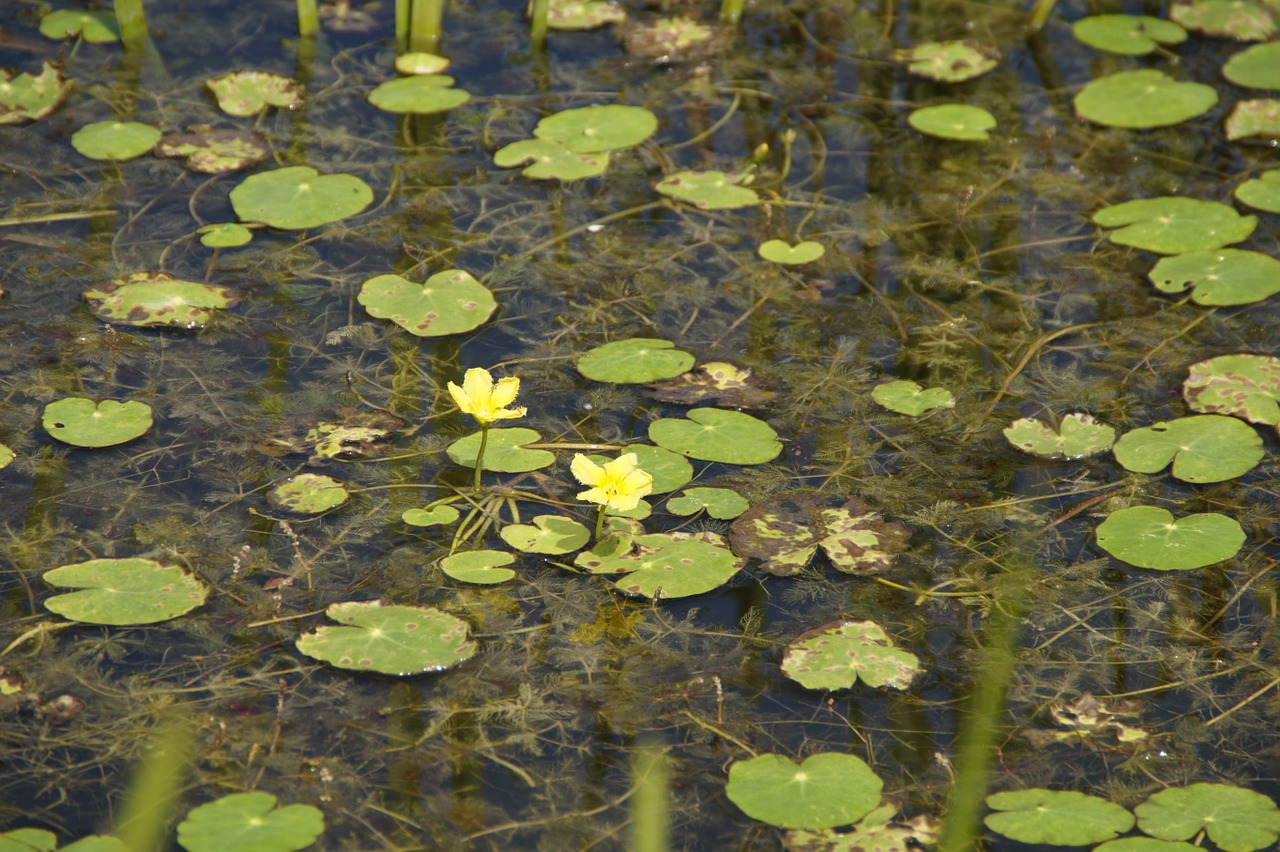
(635, 361)
(115, 140)
(395, 640)
(418, 94)
(1127, 35)
(224, 235)
(1143, 98)
(484, 567)
(215, 150)
(708, 190)
(909, 398)
(24, 97)
(1079, 436)
(96, 26)
(1204, 448)
(1236, 820)
(1219, 276)
(949, 61)
(244, 93)
(297, 197)
(824, 791)
(596, 129)
(124, 591)
(837, 655)
(551, 534)
(550, 160)
(85, 423)
(505, 452)
(307, 494)
(148, 299)
(1175, 224)
(714, 434)
(722, 503)
(1149, 537)
(781, 251)
(1059, 817)
(669, 470)
(436, 516)
(250, 821)
(663, 566)
(1262, 192)
(449, 302)
(1246, 386)
(961, 122)
(1256, 67)
(1242, 20)
(1258, 118)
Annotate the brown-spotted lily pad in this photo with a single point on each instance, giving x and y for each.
(677, 39)
(151, 299)
(24, 97)
(1242, 20)
(1246, 386)
(787, 531)
(214, 150)
(346, 434)
(674, 565)
(835, 656)
(1258, 118)
(730, 385)
(949, 61)
(245, 93)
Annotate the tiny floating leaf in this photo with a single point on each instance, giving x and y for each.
(583, 14)
(1262, 192)
(1149, 537)
(115, 140)
(245, 93)
(550, 534)
(724, 504)
(909, 398)
(663, 566)
(780, 251)
(550, 160)
(449, 302)
(124, 591)
(224, 235)
(250, 821)
(961, 122)
(1079, 436)
(824, 791)
(438, 516)
(85, 423)
(96, 26)
(708, 190)
(1258, 118)
(394, 640)
(1256, 67)
(27, 98)
(1242, 20)
(949, 61)
(483, 567)
(215, 150)
(307, 494)
(596, 129)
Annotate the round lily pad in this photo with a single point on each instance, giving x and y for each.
(949, 61)
(418, 94)
(576, 15)
(1258, 118)
(224, 235)
(635, 361)
(1142, 99)
(552, 534)
(1174, 224)
(1079, 436)
(429, 517)
(7, 455)
(28, 840)
(909, 398)
(663, 566)
(1057, 817)
(1242, 20)
(395, 640)
(780, 251)
(953, 121)
(124, 591)
(215, 150)
(27, 97)
(1127, 35)
(420, 62)
(550, 160)
(713, 434)
(484, 567)
(708, 190)
(147, 299)
(1262, 192)
(307, 494)
(1203, 448)
(1256, 67)
(1149, 537)
(1144, 844)
(1236, 820)
(244, 93)
(1219, 276)
(1246, 386)
(722, 503)
(449, 302)
(249, 821)
(297, 197)
(824, 791)
(504, 453)
(835, 656)
(94, 26)
(595, 129)
(669, 470)
(115, 140)
(84, 423)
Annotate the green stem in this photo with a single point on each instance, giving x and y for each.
(425, 18)
(1040, 15)
(538, 24)
(308, 19)
(731, 12)
(484, 441)
(599, 522)
(132, 23)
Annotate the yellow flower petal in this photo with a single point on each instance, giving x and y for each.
(619, 484)
(484, 401)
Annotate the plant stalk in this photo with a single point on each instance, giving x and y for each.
(538, 24)
(132, 22)
(484, 441)
(308, 19)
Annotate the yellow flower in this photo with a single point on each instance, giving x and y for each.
(619, 484)
(484, 400)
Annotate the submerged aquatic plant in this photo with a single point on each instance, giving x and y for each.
(487, 402)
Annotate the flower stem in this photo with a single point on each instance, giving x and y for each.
(600, 522)
(484, 441)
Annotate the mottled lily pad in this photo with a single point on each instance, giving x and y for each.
(1246, 386)
(449, 302)
(1262, 192)
(1079, 436)
(1203, 448)
(781, 251)
(250, 821)
(244, 93)
(96, 26)
(714, 434)
(224, 235)
(577, 15)
(635, 361)
(729, 384)
(596, 129)
(1242, 20)
(878, 831)
(346, 433)
(124, 591)
(835, 656)
(1149, 537)
(787, 531)
(909, 398)
(551, 534)
(709, 190)
(961, 122)
(212, 150)
(394, 640)
(824, 791)
(24, 97)
(550, 160)
(1219, 276)
(1058, 817)
(1142, 99)
(663, 566)
(1236, 819)
(949, 61)
(675, 39)
(307, 494)
(1256, 67)
(423, 93)
(436, 516)
(1127, 35)
(115, 140)
(504, 453)
(297, 197)
(155, 299)
(85, 423)
(1258, 118)
(722, 503)
(483, 567)
(1175, 224)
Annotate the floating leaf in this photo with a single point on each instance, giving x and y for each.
(1242, 20)
(1256, 67)
(307, 494)
(582, 14)
(1149, 537)
(635, 361)
(212, 150)
(837, 655)
(147, 299)
(878, 831)
(1204, 448)
(949, 61)
(713, 434)
(115, 140)
(1175, 225)
(94, 26)
(1144, 844)
(1058, 817)
(27, 98)
(662, 566)
(1079, 436)
(675, 39)
(733, 386)
(1246, 386)
(484, 567)
(953, 121)
(429, 517)
(722, 503)
(669, 470)
(550, 160)
(85, 423)
(824, 791)
(419, 94)
(780, 251)
(92, 843)
(909, 398)
(449, 302)
(298, 197)
(1236, 820)
(224, 235)
(28, 840)
(505, 453)
(1127, 35)
(421, 62)
(1142, 99)
(1219, 276)
(1262, 192)
(244, 93)
(6, 456)
(596, 129)
(124, 591)
(552, 534)
(1089, 718)
(249, 821)
(394, 640)
(1253, 119)
(708, 190)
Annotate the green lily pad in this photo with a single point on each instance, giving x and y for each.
(484, 567)
(244, 93)
(146, 299)
(421, 62)
(1245, 386)
(578, 15)
(28, 840)
(394, 640)
(780, 251)
(1256, 67)
(1253, 119)
(949, 61)
(249, 821)
(1149, 537)
(437, 516)
(418, 94)
(214, 150)
(84, 423)
(729, 384)
(1241, 20)
(298, 197)
(1203, 448)
(1057, 817)
(1175, 225)
(906, 397)
(307, 494)
(115, 140)
(1262, 192)
(708, 190)
(1236, 820)
(1079, 436)
(96, 26)
(505, 453)
(6, 456)
(1145, 844)
(663, 566)
(550, 160)
(1219, 276)
(635, 361)
(124, 591)
(714, 434)
(669, 470)
(596, 129)
(449, 302)
(224, 235)
(824, 791)
(787, 530)
(961, 122)
(92, 843)
(552, 534)
(27, 98)
(1127, 35)
(1142, 99)
(722, 503)
(837, 655)
(878, 831)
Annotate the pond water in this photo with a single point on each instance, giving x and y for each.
(971, 266)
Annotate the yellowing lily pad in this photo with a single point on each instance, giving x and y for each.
(837, 655)
(552, 534)
(576, 15)
(1142, 99)
(97, 26)
(780, 251)
(1256, 67)
(212, 150)
(24, 97)
(1235, 819)
(550, 160)
(909, 398)
(634, 361)
(394, 640)
(675, 39)
(824, 791)
(729, 384)
(1127, 35)
(436, 516)
(418, 94)
(663, 566)
(483, 567)
(244, 93)
(1079, 436)
(709, 190)
(722, 503)
(714, 434)
(307, 494)
(1258, 118)
(1175, 224)
(85, 423)
(596, 129)
(150, 299)
(449, 302)
(1204, 448)
(249, 821)
(961, 122)
(1246, 386)
(1149, 537)
(504, 453)
(1242, 20)
(1262, 192)
(297, 197)
(949, 61)
(123, 591)
(1219, 276)
(1059, 817)
(115, 140)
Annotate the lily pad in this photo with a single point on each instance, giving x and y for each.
(1079, 436)
(909, 398)
(1142, 99)
(709, 190)
(824, 791)
(1256, 67)
(1057, 817)
(1236, 820)
(780, 251)
(1219, 276)
(596, 129)
(244, 93)
(837, 655)
(722, 503)
(1149, 537)
(635, 361)
(678, 38)
(297, 197)
(1245, 386)
(505, 452)
(394, 640)
(550, 160)
(7, 456)
(28, 840)
(27, 98)
(1242, 20)
(669, 470)
(878, 831)
(421, 62)
(729, 384)
(714, 434)
(1262, 192)
(307, 494)
(115, 140)
(96, 26)
(85, 423)
(1145, 844)
(1127, 35)
(449, 302)
(213, 150)
(1175, 225)
(419, 94)
(124, 591)
(484, 567)
(663, 566)
(1204, 448)
(437, 516)
(249, 821)
(577, 15)
(148, 299)
(949, 61)
(551, 534)
(961, 122)
(1253, 119)
(787, 531)
(224, 235)
(92, 843)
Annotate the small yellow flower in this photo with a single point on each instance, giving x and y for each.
(619, 484)
(484, 400)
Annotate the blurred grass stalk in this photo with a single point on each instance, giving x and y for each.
(731, 12)
(1040, 15)
(538, 24)
(152, 798)
(308, 18)
(132, 23)
(418, 24)
(651, 803)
